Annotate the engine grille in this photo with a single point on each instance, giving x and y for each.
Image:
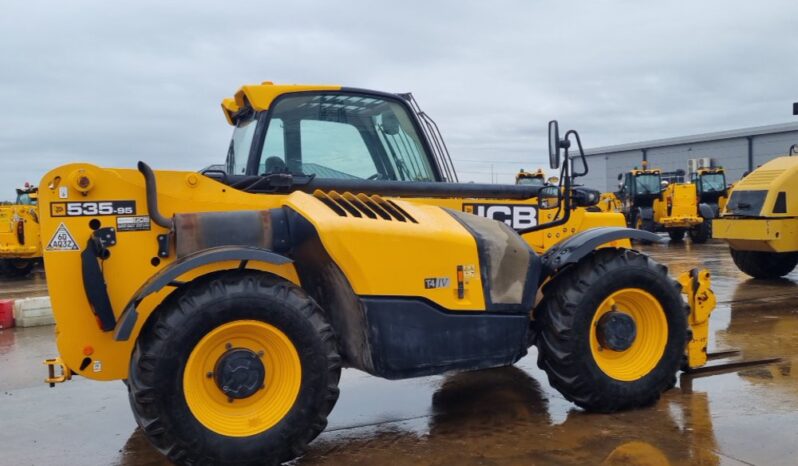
(362, 206)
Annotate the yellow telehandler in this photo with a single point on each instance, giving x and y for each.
(20, 245)
(672, 206)
(230, 300)
(710, 183)
(535, 178)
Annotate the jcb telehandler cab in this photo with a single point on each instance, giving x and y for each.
(20, 245)
(653, 204)
(230, 305)
(712, 188)
(535, 178)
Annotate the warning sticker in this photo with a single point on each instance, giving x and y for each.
(140, 223)
(62, 240)
(469, 271)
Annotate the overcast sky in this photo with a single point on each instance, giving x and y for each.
(108, 84)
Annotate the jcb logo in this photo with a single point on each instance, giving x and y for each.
(516, 216)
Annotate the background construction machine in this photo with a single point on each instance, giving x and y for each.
(230, 305)
(20, 244)
(711, 187)
(760, 221)
(653, 204)
(535, 178)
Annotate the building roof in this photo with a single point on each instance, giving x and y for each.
(695, 138)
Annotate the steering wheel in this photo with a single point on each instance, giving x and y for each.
(376, 176)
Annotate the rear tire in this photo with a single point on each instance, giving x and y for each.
(184, 410)
(702, 233)
(765, 265)
(677, 236)
(595, 377)
(17, 267)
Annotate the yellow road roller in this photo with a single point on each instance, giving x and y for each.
(760, 221)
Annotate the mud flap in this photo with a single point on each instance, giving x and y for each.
(93, 279)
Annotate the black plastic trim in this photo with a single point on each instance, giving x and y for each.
(571, 250)
(411, 337)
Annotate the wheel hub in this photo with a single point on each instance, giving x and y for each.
(616, 331)
(239, 373)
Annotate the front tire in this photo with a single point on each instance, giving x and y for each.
(593, 370)
(702, 233)
(677, 236)
(238, 368)
(765, 265)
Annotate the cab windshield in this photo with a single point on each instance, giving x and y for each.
(332, 135)
(25, 199)
(647, 184)
(532, 181)
(713, 182)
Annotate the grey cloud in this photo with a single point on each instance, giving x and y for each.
(111, 84)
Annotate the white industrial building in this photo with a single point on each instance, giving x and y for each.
(738, 151)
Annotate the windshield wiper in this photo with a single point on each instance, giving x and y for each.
(271, 182)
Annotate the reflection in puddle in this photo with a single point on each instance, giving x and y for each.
(501, 416)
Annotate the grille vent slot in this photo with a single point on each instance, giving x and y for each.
(362, 206)
(760, 177)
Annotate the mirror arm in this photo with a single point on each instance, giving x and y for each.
(565, 183)
(573, 133)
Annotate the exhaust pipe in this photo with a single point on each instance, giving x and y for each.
(152, 197)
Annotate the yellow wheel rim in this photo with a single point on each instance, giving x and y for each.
(649, 344)
(242, 417)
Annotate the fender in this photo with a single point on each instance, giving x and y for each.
(168, 275)
(647, 213)
(573, 249)
(707, 211)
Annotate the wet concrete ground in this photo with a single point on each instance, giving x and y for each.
(506, 416)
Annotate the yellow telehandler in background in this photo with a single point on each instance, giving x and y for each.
(711, 187)
(535, 178)
(230, 300)
(652, 204)
(20, 244)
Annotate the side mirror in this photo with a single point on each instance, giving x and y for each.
(620, 176)
(549, 197)
(554, 144)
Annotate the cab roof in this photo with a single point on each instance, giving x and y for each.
(260, 96)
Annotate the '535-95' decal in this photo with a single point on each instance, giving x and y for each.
(92, 208)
